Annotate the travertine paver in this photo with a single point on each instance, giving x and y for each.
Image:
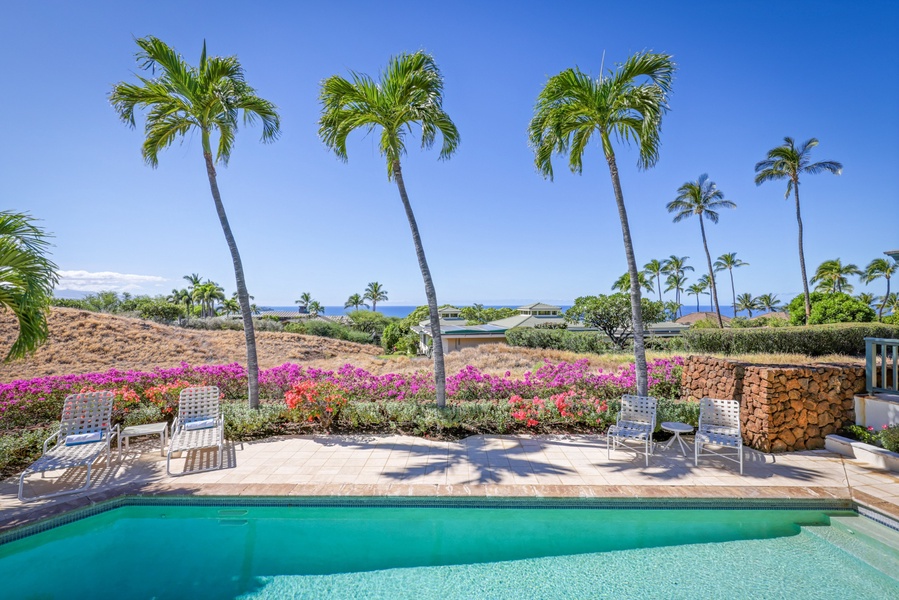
(571, 465)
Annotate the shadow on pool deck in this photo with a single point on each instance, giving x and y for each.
(560, 465)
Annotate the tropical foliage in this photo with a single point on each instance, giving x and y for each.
(789, 161)
(833, 276)
(626, 104)
(207, 99)
(836, 307)
(612, 315)
(730, 262)
(375, 293)
(27, 278)
(409, 92)
(703, 199)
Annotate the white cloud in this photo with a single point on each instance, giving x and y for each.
(85, 281)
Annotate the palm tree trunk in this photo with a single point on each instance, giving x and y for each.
(733, 290)
(242, 296)
(708, 258)
(439, 368)
(882, 304)
(659, 282)
(636, 310)
(808, 301)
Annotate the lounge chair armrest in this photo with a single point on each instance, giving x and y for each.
(55, 436)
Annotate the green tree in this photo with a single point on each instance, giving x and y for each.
(877, 268)
(229, 306)
(697, 289)
(477, 314)
(409, 91)
(654, 269)
(676, 267)
(748, 303)
(789, 162)
(830, 307)
(105, 301)
(730, 262)
(207, 98)
(626, 104)
(766, 302)
(27, 278)
(703, 199)
(623, 283)
(304, 302)
(369, 322)
(375, 292)
(833, 276)
(179, 297)
(205, 295)
(354, 302)
(612, 315)
(315, 308)
(865, 297)
(193, 280)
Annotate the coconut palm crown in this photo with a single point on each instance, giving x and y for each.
(27, 278)
(730, 262)
(625, 105)
(789, 161)
(703, 199)
(408, 92)
(877, 268)
(209, 98)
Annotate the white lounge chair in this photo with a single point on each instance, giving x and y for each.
(719, 425)
(198, 425)
(84, 434)
(636, 421)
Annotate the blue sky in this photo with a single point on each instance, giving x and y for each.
(494, 231)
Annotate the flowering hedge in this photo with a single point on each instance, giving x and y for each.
(32, 402)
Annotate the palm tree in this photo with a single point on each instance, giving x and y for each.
(409, 91)
(832, 276)
(767, 302)
(27, 278)
(230, 306)
(179, 297)
(654, 269)
(355, 301)
(696, 289)
(315, 308)
(866, 298)
(206, 294)
(891, 302)
(730, 262)
(626, 104)
(376, 293)
(788, 162)
(748, 303)
(208, 99)
(877, 268)
(703, 199)
(676, 268)
(304, 302)
(194, 280)
(623, 283)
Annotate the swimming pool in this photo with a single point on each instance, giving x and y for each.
(421, 548)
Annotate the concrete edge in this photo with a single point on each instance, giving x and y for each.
(879, 458)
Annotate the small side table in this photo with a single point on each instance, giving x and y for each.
(160, 429)
(677, 428)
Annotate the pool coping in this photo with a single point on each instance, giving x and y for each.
(473, 496)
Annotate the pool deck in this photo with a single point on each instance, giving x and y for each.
(525, 466)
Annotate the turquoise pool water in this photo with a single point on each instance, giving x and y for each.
(357, 552)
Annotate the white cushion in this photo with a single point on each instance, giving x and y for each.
(84, 438)
(200, 424)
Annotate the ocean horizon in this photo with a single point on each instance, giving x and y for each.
(404, 311)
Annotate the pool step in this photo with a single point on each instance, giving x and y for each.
(865, 540)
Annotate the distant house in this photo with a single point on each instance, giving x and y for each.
(701, 316)
(457, 335)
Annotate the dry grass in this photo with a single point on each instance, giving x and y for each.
(83, 342)
(790, 359)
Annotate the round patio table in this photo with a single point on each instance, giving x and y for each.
(677, 428)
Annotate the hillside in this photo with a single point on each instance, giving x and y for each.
(83, 341)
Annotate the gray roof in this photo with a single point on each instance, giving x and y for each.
(894, 254)
(539, 306)
(282, 314)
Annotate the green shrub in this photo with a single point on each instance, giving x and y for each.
(228, 323)
(329, 329)
(21, 448)
(69, 303)
(559, 339)
(660, 344)
(816, 340)
(144, 414)
(682, 411)
(704, 324)
(370, 322)
(889, 438)
(158, 310)
(830, 308)
(245, 423)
